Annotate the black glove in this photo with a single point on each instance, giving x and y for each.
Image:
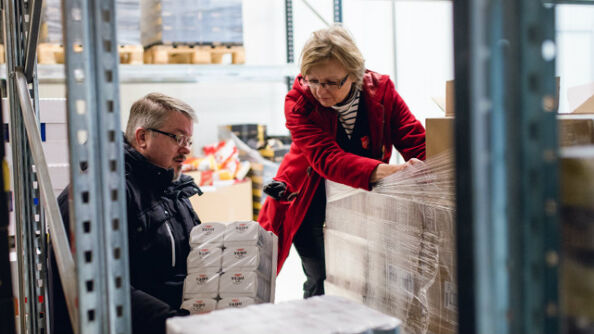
(276, 190)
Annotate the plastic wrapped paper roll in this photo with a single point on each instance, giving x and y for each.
(210, 234)
(244, 284)
(203, 284)
(247, 233)
(206, 257)
(320, 315)
(199, 305)
(247, 258)
(235, 302)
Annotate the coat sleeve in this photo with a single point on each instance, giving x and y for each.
(408, 134)
(323, 152)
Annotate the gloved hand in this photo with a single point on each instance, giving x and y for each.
(276, 190)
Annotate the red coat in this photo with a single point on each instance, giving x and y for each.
(315, 154)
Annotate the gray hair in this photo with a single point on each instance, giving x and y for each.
(152, 110)
(333, 43)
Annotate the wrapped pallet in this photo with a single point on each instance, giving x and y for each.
(577, 239)
(127, 16)
(191, 22)
(394, 248)
(230, 265)
(322, 315)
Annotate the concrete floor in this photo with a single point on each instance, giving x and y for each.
(289, 283)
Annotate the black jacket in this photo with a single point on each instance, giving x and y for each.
(160, 218)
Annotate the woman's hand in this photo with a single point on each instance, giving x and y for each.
(383, 170)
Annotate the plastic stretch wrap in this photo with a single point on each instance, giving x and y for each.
(236, 302)
(244, 284)
(205, 258)
(247, 233)
(577, 239)
(203, 284)
(232, 263)
(393, 248)
(316, 315)
(127, 20)
(250, 258)
(199, 305)
(191, 21)
(210, 234)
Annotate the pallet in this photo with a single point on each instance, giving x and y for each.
(51, 53)
(131, 54)
(193, 54)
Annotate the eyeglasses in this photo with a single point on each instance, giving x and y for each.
(180, 139)
(330, 85)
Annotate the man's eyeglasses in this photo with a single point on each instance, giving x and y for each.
(330, 85)
(180, 139)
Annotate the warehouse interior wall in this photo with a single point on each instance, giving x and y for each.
(575, 45)
(424, 58)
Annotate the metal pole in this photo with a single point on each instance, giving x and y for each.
(96, 166)
(56, 226)
(505, 167)
(21, 168)
(6, 297)
(32, 37)
(289, 38)
(337, 11)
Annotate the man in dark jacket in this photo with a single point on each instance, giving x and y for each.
(160, 217)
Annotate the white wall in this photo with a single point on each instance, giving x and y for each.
(575, 45)
(424, 60)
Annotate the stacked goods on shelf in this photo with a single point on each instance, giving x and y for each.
(577, 239)
(195, 32)
(252, 134)
(230, 265)
(393, 248)
(51, 50)
(219, 163)
(247, 138)
(321, 315)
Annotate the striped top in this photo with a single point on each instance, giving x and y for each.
(347, 113)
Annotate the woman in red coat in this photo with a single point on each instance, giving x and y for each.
(343, 121)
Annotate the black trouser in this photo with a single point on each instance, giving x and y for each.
(309, 242)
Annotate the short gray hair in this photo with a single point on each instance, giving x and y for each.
(333, 43)
(152, 110)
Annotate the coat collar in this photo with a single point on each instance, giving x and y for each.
(373, 87)
(140, 166)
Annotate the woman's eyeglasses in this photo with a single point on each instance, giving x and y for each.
(180, 139)
(330, 85)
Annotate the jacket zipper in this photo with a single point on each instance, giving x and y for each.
(172, 244)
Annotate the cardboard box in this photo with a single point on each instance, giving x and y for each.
(439, 135)
(573, 129)
(581, 99)
(224, 204)
(450, 107)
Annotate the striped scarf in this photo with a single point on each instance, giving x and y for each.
(347, 113)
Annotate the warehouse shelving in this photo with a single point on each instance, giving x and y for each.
(172, 73)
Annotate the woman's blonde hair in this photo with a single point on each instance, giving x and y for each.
(333, 43)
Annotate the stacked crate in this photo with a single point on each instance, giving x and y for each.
(192, 31)
(51, 50)
(230, 265)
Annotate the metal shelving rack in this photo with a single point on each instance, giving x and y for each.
(97, 291)
(506, 159)
(97, 303)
